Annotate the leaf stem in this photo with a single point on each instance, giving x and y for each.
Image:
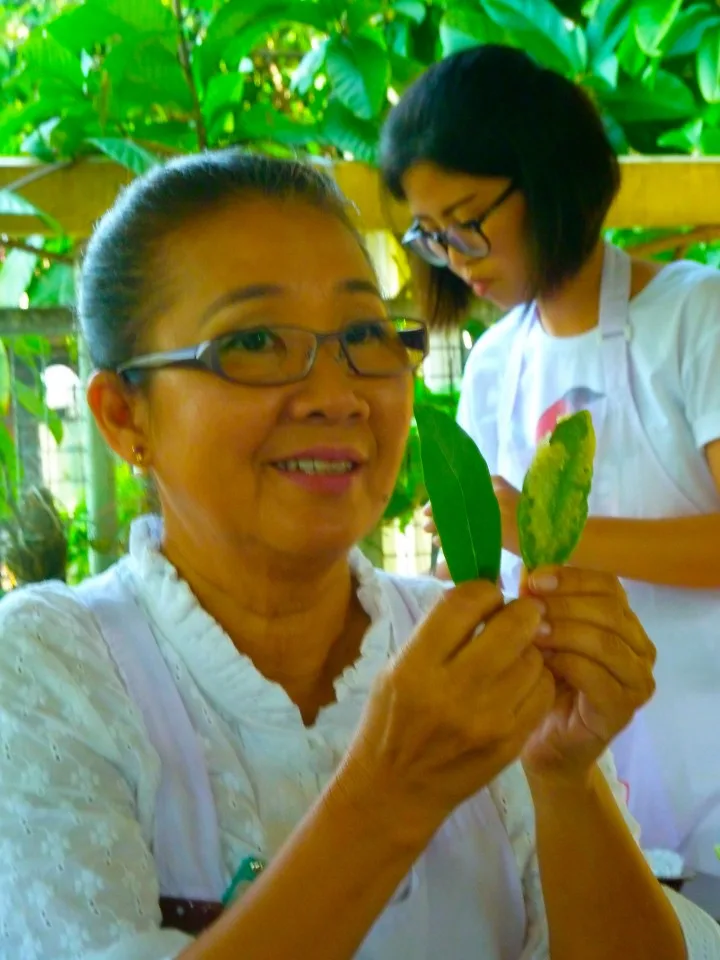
(185, 63)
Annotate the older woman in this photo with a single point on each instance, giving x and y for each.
(243, 709)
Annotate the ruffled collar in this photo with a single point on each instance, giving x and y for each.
(229, 678)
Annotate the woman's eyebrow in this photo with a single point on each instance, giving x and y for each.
(257, 291)
(358, 285)
(448, 211)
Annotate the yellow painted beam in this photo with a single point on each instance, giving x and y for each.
(656, 192)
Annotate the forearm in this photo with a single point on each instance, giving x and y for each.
(319, 896)
(677, 552)
(601, 898)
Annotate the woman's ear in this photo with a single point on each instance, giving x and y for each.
(121, 416)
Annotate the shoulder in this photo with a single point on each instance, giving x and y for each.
(51, 648)
(685, 295)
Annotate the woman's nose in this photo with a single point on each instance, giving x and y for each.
(331, 390)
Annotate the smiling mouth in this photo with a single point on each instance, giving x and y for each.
(314, 466)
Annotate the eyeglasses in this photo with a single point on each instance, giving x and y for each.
(467, 238)
(267, 356)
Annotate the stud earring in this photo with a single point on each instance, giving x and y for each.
(139, 458)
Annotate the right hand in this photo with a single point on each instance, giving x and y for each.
(450, 712)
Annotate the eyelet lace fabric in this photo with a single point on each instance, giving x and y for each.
(79, 777)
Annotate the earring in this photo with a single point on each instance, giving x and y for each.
(139, 458)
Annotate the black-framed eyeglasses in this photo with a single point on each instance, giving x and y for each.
(266, 356)
(467, 238)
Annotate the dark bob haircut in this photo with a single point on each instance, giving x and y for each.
(124, 282)
(491, 111)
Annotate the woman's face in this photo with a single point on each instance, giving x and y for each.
(439, 198)
(219, 451)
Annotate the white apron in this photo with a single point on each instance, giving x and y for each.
(670, 756)
(463, 899)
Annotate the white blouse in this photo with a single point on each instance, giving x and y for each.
(79, 776)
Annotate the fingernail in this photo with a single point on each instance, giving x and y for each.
(538, 604)
(543, 581)
(543, 629)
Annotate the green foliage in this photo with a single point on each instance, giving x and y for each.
(132, 72)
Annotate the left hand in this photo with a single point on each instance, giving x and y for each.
(508, 498)
(602, 661)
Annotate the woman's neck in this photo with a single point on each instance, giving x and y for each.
(300, 623)
(575, 307)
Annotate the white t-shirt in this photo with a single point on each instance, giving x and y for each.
(79, 775)
(675, 365)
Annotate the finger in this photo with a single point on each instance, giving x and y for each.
(603, 691)
(573, 581)
(506, 692)
(602, 612)
(604, 647)
(503, 639)
(427, 510)
(452, 621)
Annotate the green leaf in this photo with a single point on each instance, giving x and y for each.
(146, 16)
(349, 133)
(55, 287)
(710, 141)
(86, 26)
(126, 153)
(686, 138)
(4, 380)
(308, 68)
(14, 205)
(15, 276)
(465, 27)
(538, 27)
(708, 65)
(32, 400)
(687, 31)
(359, 70)
(634, 102)
(652, 19)
(553, 506)
(262, 122)
(465, 508)
(224, 92)
(45, 59)
(414, 10)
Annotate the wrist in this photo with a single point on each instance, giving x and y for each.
(358, 799)
(557, 785)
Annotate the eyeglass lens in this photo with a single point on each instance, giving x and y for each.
(283, 354)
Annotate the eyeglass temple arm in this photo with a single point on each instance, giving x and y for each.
(150, 360)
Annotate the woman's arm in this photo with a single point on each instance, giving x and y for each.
(322, 892)
(601, 898)
(677, 552)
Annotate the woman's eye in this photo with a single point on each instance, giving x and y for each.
(251, 341)
(369, 330)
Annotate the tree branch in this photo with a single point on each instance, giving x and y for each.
(10, 244)
(184, 56)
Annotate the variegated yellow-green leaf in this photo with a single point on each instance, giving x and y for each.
(553, 505)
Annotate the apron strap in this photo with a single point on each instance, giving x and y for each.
(614, 320)
(186, 844)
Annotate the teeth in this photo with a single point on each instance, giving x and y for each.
(315, 466)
